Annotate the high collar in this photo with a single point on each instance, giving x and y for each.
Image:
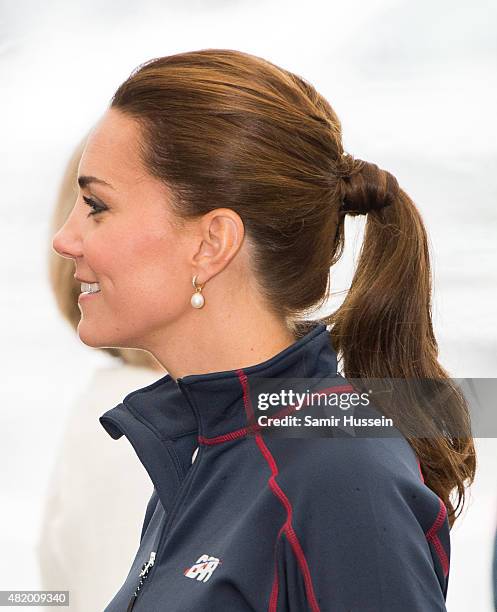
(217, 397)
(210, 405)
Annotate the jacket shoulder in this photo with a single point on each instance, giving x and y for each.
(360, 505)
(381, 468)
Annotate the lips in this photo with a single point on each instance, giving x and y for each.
(84, 280)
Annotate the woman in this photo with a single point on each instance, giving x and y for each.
(212, 200)
(91, 497)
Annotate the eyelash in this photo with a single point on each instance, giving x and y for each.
(97, 208)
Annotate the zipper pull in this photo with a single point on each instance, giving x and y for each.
(146, 566)
(143, 575)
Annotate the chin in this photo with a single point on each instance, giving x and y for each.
(92, 337)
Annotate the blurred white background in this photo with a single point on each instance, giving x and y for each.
(414, 85)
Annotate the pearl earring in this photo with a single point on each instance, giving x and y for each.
(197, 300)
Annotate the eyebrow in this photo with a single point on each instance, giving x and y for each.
(83, 181)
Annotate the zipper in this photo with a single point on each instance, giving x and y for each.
(146, 567)
(143, 575)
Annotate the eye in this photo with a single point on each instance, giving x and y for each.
(95, 206)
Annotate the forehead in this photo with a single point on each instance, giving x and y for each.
(112, 150)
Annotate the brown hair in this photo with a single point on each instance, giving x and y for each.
(65, 287)
(224, 128)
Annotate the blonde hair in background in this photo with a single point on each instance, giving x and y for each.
(61, 269)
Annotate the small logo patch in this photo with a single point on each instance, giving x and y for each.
(203, 568)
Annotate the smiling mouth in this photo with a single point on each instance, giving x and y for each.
(90, 287)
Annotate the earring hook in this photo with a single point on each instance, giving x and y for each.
(200, 286)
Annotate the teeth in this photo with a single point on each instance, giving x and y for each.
(90, 287)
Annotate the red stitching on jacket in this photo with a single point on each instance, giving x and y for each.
(292, 536)
(420, 472)
(432, 536)
(232, 435)
(244, 431)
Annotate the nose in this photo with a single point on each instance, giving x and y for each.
(66, 241)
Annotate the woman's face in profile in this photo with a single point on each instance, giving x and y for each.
(121, 234)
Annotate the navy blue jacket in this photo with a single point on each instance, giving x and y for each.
(265, 523)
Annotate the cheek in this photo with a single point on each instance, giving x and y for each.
(141, 270)
(155, 266)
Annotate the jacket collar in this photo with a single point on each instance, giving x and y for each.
(217, 398)
(208, 406)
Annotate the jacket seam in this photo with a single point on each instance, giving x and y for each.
(253, 429)
(432, 536)
(280, 494)
(236, 434)
(432, 533)
(175, 459)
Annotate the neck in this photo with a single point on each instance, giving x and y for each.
(208, 344)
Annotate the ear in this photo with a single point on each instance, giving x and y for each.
(221, 233)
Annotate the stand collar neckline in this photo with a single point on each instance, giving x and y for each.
(212, 404)
(166, 420)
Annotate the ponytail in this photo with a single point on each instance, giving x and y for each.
(222, 128)
(384, 329)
